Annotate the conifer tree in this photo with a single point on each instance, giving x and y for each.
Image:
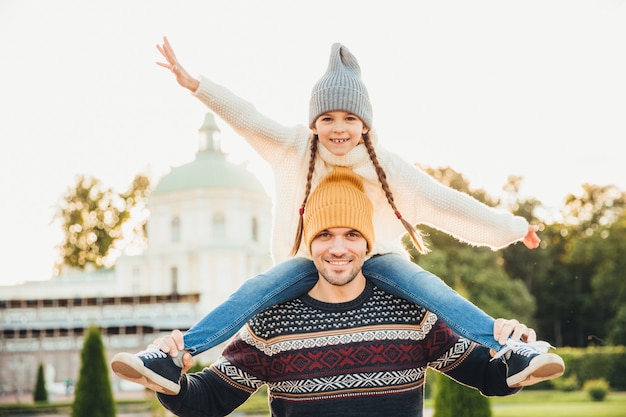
(93, 396)
(40, 394)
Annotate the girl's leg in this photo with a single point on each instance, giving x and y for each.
(283, 282)
(405, 279)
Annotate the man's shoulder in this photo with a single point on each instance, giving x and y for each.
(374, 309)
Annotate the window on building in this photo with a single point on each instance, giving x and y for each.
(219, 226)
(175, 229)
(255, 229)
(174, 276)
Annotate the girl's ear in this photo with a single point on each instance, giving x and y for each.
(314, 130)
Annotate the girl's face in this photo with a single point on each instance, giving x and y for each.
(339, 131)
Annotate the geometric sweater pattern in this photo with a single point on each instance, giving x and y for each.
(305, 350)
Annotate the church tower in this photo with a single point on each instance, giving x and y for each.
(209, 227)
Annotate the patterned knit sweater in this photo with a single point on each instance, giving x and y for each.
(367, 357)
(420, 198)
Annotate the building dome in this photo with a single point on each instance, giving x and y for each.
(210, 168)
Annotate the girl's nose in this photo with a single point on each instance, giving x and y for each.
(339, 127)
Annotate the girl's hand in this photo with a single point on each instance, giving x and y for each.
(182, 77)
(174, 344)
(531, 240)
(504, 330)
(512, 329)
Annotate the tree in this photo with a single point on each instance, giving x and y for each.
(93, 396)
(617, 334)
(93, 217)
(552, 288)
(578, 284)
(455, 400)
(596, 255)
(608, 283)
(595, 206)
(520, 262)
(40, 394)
(453, 179)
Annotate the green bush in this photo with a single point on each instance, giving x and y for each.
(596, 388)
(566, 384)
(607, 362)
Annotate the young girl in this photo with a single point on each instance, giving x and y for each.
(340, 134)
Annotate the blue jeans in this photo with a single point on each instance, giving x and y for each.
(294, 277)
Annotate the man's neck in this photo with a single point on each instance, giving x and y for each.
(328, 293)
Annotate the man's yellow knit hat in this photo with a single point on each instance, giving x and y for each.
(339, 201)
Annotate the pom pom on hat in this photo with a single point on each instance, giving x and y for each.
(339, 201)
(341, 88)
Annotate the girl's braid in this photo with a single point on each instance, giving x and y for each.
(307, 192)
(415, 234)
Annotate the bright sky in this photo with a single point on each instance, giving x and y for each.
(491, 88)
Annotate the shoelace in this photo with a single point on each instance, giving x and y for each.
(159, 354)
(522, 348)
(153, 354)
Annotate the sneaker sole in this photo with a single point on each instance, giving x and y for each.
(131, 368)
(542, 368)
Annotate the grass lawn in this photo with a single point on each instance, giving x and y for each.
(529, 403)
(559, 404)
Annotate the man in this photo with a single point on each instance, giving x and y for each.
(346, 348)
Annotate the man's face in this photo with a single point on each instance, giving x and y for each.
(339, 254)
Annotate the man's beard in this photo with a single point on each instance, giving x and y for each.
(338, 279)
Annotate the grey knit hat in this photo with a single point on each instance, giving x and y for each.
(341, 88)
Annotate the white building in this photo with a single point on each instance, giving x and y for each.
(208, 231)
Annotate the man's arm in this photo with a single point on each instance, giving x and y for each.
(474, 366)
(477, 370)
(202, 394)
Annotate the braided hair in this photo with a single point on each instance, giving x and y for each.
(415, 234)
(307, 192)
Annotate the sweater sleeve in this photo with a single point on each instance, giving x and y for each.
(423, 200)
(467, 362)
(477, 370)
(269, 138)
(218, 389)
(204, 394)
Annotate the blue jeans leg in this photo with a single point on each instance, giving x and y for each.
(401, 277)
(283, 282)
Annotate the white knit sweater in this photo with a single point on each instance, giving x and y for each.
(419, 198)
